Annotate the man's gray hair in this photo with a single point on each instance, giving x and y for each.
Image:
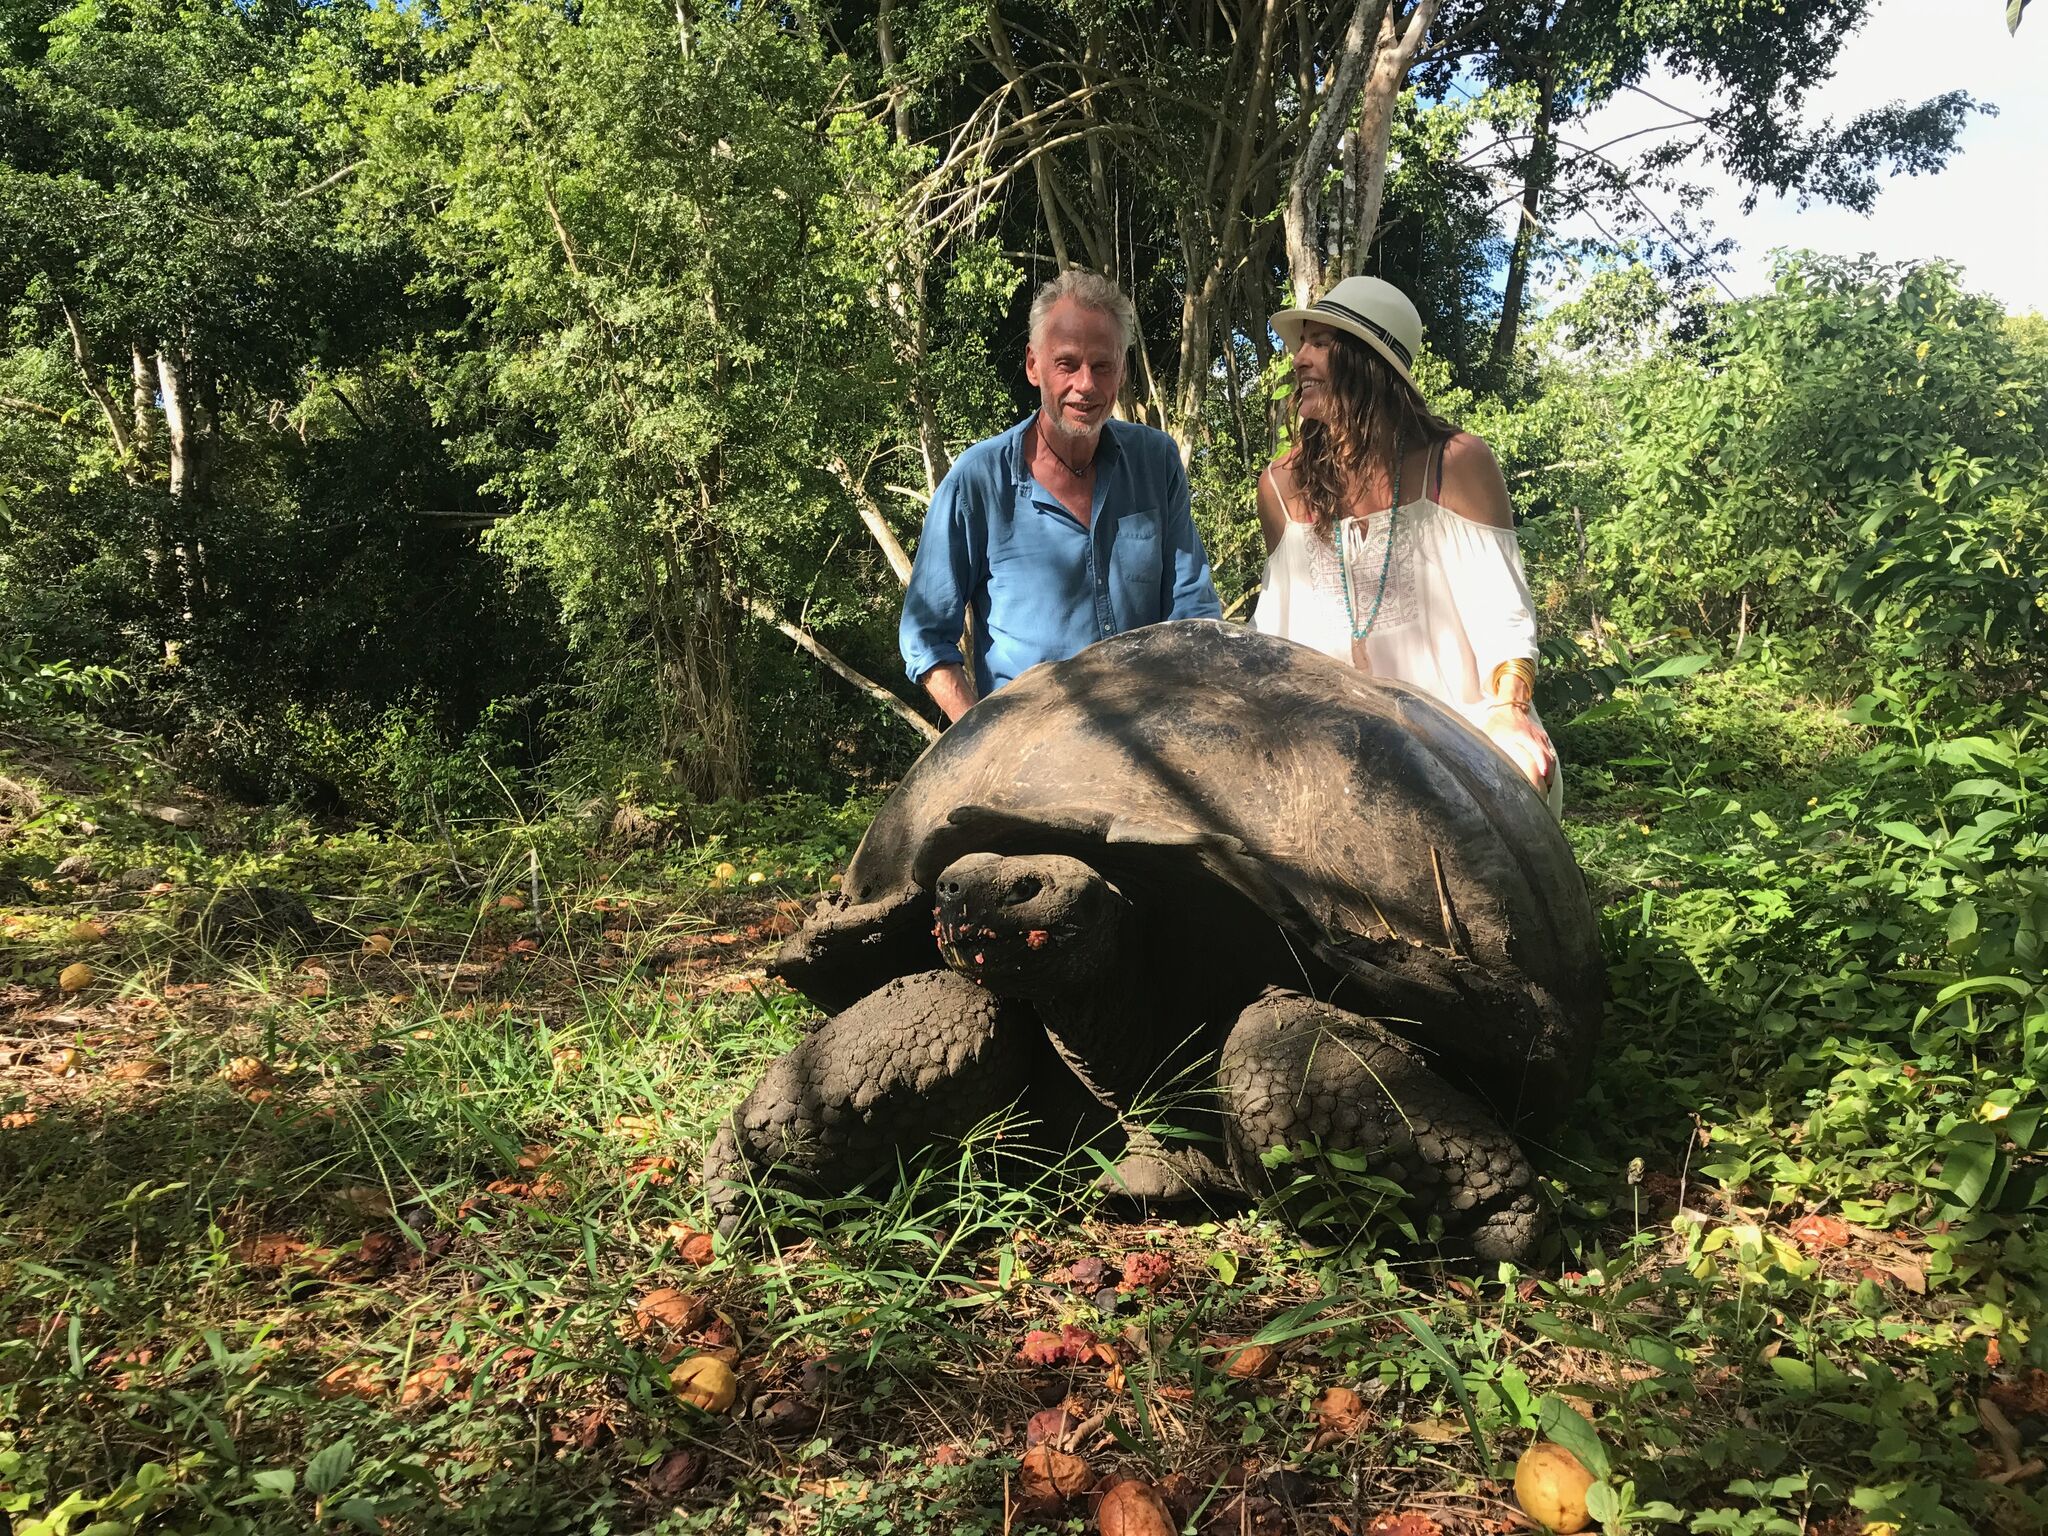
(1090, 290)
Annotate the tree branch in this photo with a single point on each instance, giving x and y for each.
(874, 690)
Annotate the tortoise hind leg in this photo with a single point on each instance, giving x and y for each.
(1296, 1071)
(926, 1059)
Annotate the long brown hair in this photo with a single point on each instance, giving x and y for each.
(1375, 409)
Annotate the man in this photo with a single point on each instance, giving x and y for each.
(1062, 531)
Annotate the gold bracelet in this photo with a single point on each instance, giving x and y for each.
(1518, 674)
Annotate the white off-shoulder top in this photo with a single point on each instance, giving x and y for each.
(1456, 603)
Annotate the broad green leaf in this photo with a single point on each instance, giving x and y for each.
(1558, 1420)
(329, 1467)
(1678, 666)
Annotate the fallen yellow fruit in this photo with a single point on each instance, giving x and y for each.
(725, 872)
(75, 977)
(705, 1381)
(84, 931)
(1550, 1485)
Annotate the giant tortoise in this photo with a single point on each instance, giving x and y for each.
(1215, 899)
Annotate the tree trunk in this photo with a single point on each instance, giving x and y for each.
(1535, 179)
(1303, 215)
(1392, 59)
(142, 397)
(703, 725)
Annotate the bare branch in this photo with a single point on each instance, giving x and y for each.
(809, 642)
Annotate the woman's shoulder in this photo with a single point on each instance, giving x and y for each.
(1279, 488)
(1471, 484)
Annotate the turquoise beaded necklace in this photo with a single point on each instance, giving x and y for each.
(1386, 560)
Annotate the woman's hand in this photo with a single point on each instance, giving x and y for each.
(1515, 731)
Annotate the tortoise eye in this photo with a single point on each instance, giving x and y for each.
(1027, 886)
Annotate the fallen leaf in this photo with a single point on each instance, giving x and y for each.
(534, 1153)
(430, 1380)
(270, 1250)
(641, 1127)
(1407, 1522)
(353, 1379)
(655, 1169)
(1436, 1431)
(17, 1119)
(136, 1071)
(1815, 1233)
(511, 903)
(377, 944)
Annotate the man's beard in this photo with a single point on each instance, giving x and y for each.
(1056, 418)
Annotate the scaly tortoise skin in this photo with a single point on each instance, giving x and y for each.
(1202, 896)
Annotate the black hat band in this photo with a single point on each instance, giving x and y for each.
(1407, 358)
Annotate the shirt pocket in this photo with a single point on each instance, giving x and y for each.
(1137, 558)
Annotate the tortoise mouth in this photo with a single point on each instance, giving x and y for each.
(1030, 924)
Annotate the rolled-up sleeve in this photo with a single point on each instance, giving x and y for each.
(1190, 592)
(935, 602)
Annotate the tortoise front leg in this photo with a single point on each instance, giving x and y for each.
(1296, 1071)
(924, 1060)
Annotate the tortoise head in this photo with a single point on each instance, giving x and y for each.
(1027, 925)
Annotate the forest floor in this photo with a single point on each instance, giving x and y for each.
(402, 1234)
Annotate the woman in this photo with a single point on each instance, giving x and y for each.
(1389, 539)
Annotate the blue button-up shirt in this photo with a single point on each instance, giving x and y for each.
(1040, 585)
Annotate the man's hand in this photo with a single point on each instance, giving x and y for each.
(1515, 731)
(951, 690)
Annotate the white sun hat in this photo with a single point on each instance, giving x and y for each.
(1376, 312)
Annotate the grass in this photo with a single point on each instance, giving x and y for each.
(409, 1241)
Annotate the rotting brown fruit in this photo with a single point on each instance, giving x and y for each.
(1340, 1411)
(1050, 1475)
(1134, 1508)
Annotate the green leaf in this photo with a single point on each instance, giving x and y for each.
(1962, 926)
(1558, 1420)
(2014, 9)
(1456, 1377)
(1796, 1374)
(1677, 666)
(278, 1480)
(1602, 1503)
(1225, 1265)
(1977, 984)
(1905, 832)
(1968, 1157)
(329, 1467)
